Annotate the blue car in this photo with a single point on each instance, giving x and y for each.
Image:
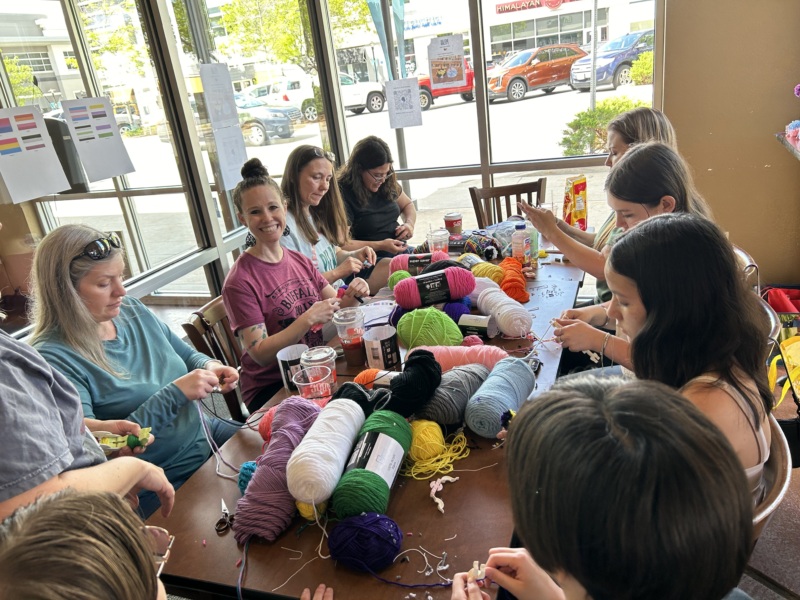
(614, 60)
(260, 122)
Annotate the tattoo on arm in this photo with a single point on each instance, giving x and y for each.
(256, 333)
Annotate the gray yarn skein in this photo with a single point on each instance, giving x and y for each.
(450, 399)
(508, 386)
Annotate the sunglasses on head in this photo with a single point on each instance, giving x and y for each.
(320, 153)
(101, 247)
(161, 543)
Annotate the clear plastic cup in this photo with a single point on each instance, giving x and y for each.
(438, 240)
(350, 327)
(314, 383)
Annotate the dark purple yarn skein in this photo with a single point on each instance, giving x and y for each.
(367, 542)
(267, 507)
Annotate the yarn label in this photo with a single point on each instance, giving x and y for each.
(433, 288)
(478, 325)
(379, 453)
(417, 262)
(470, 260)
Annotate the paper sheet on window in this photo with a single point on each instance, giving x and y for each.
(402, 96)
(218, 95)
(29, 166)
(446, 62)
(231, 155)
(97, 138)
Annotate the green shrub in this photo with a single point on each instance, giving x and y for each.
(642, 69)
(586, 133)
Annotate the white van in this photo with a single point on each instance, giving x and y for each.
(299, 92)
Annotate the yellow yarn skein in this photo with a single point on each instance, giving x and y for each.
(306, 510)
(487, 269)
(429, 453)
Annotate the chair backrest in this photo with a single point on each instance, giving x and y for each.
(749, 267)
(489, 202)
(773, 339)
(209, 330)
(778, 474)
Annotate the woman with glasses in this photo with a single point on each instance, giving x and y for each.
(124, 361)
(317, 222)
(374, 200)
(274, 296)
(81, 546)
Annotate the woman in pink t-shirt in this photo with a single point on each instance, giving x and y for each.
(274, 297)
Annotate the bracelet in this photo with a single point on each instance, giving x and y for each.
(606, 337)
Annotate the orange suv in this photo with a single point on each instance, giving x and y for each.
(535, 68)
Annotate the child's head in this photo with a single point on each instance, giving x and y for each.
(81, 546)
(643, 124)
(629, 490)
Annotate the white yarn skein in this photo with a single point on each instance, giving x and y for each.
(316, 465)
(512, 318)
(481, 283)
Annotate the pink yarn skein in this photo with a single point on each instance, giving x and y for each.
(400, 262)
(450, 357)
(459, 281)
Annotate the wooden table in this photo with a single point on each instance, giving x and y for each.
(477, 512)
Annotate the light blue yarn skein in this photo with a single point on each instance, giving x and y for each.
(507, 388)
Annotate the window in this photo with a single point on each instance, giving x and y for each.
(39, 62)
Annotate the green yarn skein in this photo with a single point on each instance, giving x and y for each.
(360, 490)
(428, 327)
(397, 277)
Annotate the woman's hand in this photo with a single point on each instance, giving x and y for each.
(393, 246)
(349, 266)
(227, 377)
(321, 593)
(578, 336)
(596, 315)
(120, 427)
(515, 570)
(544, 220)
(321, 312)
(357, 288)
(153, 479)
(466, 588)
(197, 384)
(366, 254)
(404, 231)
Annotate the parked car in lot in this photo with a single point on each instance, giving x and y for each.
(298, 91)
(614, 60)
(532, 69)
(427, 93)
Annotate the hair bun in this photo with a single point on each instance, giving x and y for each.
(254, 168)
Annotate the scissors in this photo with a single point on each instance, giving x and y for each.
(225, 521)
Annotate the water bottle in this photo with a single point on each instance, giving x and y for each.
(521, 245)
(534, 233)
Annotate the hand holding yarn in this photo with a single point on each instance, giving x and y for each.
(578, 336)
(321, 312)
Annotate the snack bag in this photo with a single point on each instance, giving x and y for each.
(576, 210)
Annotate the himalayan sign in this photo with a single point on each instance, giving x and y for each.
(506, 7)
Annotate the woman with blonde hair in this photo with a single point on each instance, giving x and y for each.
(124, 361)
(317, 223)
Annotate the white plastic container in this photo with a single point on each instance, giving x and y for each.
(521, 245)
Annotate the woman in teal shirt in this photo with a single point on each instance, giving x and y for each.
(124, 362)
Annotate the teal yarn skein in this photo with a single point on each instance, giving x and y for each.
(360, 490)
(428, 327)
(246, 474)
(507, 388)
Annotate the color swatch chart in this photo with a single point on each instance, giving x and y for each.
(91, 122)
(18, 133)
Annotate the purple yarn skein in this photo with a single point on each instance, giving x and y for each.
(367, 542)
(267, 507)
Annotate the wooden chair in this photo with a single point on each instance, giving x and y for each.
(210, 332)
(778, 473)
(489, 202)
(749, 267)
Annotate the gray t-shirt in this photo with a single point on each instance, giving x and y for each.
(41, 421)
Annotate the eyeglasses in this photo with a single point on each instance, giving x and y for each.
(101, 247)
(320, 153)
(161, 543)
(381, 178)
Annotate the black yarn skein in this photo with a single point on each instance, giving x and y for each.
(414, 387)
(441, 265)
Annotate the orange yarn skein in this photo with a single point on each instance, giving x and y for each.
(514, 281)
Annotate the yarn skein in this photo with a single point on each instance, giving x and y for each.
(246, 474)
(384, 440)
(450, 357)
(426, 327)
(267, 507)
(450, 399)
(441, 286)
(318, 461)
(514, 283)
(265, 423)
(415, 262)
(430, 453)
(441, 265)
(506, 388)
(512, 318)
(481, 283)
(472, 340)
(396, 277)
(414, 387)
(368, 542)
